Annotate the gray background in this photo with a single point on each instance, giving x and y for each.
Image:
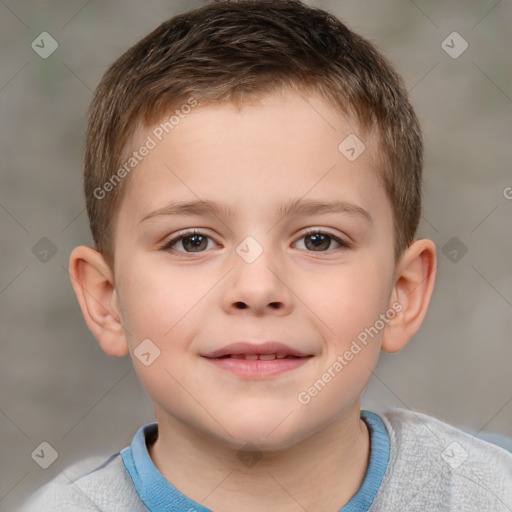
(56, 384)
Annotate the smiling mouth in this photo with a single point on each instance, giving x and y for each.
(261, 357)
(258, 366)
(257, 360)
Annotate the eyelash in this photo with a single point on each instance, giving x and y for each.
(311, 231)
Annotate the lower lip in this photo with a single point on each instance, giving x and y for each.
(257, 368)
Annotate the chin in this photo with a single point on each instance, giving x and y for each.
(262, 433)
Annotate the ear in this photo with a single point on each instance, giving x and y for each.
(414, 282)
(93, 282)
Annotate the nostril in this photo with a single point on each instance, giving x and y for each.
(243, 305)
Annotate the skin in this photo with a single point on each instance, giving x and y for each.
(253, 159)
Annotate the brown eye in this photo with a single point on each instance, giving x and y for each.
(190, 242)
(318, 241)
(321, 241)
(194, 243)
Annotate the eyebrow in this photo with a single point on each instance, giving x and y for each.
(298, 207)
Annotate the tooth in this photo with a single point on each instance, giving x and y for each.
(267, 357)
(251, 357)
(237, 356)
(280, 356)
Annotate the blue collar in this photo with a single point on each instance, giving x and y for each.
(160, 495)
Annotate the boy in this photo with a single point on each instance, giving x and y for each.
(253, 184)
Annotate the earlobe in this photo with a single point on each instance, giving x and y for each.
(414, 283)
(93, 282)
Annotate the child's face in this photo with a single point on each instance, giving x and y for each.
(317, 302)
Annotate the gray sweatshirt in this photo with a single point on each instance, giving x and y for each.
(423, 465)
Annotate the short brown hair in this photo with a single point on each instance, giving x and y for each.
(233, 51)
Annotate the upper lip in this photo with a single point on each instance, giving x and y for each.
(246, 348)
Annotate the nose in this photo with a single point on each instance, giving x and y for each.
(258, 287)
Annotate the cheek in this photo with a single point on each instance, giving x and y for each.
(147, 312)
(350, 300)
(153, 301)
(158, 318)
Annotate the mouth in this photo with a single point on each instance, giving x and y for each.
(256, 361)
(266, 350)
(261, 357)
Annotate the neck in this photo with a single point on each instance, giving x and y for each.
(320, 473)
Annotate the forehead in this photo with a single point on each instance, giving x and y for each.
(281, 146)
